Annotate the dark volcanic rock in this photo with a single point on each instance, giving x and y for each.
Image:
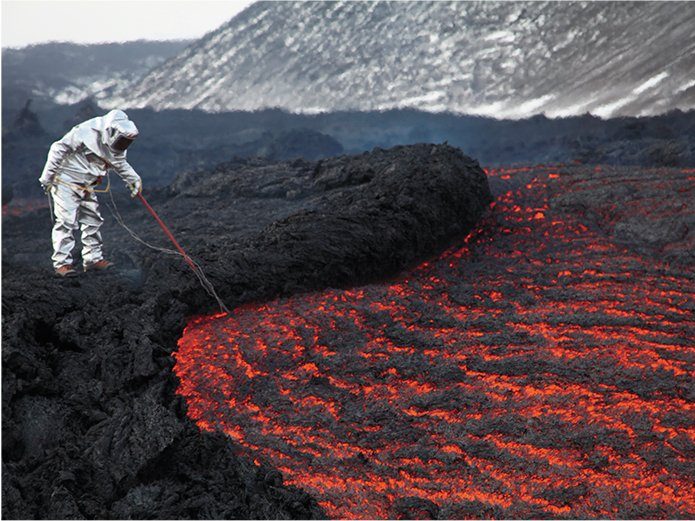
(292, 144)
(7, 193)
(92, 426)
(650, 212)
(413, 508)
(25, 125)
(340, 221)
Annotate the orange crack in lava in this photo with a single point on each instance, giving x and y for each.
(537, 370)
(18, 206)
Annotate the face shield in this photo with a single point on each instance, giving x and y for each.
(121, 134)
(121, 143)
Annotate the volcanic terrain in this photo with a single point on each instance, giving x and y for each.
(92, 426)
(538, 369)
(534, 359)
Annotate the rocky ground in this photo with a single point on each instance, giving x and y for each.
(95, 425)
(92, 425)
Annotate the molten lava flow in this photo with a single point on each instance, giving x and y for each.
(18, 207)
(539, 370)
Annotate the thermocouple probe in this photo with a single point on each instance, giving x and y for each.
(167, 232)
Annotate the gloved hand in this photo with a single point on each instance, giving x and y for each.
(46, 187)
(136, 187)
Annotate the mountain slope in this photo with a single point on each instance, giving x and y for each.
(67, 72)
(489, 58)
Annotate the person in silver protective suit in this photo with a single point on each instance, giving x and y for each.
(76, 164)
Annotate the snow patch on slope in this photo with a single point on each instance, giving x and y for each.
(499, 59)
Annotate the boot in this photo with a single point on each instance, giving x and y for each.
(66, 270)
(99, 265)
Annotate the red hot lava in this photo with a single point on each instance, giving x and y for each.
(19, 207)
(539, 370)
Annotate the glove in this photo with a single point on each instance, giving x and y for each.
(46, 187)
(136, 187)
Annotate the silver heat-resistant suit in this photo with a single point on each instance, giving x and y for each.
(75, 165)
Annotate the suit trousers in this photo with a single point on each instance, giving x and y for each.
(74, 209)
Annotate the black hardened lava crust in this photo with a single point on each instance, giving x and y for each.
(91, 424)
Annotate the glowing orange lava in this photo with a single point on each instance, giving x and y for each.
(538, 370)
(18, 207)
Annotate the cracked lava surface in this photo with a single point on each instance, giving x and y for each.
(538, 369)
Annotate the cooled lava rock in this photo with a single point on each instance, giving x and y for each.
(649, 212)
(339, 221)
(91, 424)
(26, 125)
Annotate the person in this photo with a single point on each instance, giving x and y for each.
(76, 164)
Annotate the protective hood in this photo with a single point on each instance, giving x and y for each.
(117, 131)
(101, 133)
